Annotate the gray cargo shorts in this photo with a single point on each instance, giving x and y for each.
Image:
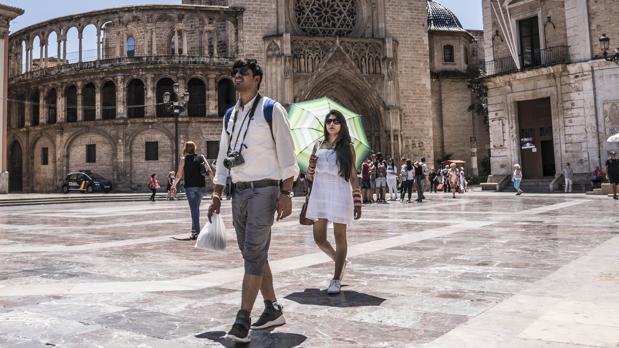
(253, 214)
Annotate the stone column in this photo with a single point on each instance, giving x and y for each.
(120, 97)
(27, 109)
(211, 99)
(42, 107)
(80, 111)
(215, 42)
(154, 38)
(46, 53)
(64, 48)
(98, 108)
(185, 53)
(58, 43)
(60, 111)
(175, 41)
(31, 58)
(79, 37)
(149, 97)
(98, 42)
(41, 51)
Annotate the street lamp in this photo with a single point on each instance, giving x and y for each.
(605, 43)
(176, 104)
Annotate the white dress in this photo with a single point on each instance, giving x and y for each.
(331, 195)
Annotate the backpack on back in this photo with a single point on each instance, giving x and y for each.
(267, 111)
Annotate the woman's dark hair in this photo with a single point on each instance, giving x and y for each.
(409, 165)
(391, 162)
(342, 148)
(153, 175)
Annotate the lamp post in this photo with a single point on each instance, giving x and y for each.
(176, 103)
(605, 43)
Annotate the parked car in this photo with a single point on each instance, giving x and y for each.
(86, 181)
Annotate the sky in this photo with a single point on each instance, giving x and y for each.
(468, 11)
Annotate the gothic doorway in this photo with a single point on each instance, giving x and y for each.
(536, 140)
(16, 173)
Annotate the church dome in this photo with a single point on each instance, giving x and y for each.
(440, 18)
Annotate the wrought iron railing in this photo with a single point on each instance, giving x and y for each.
(528, 60)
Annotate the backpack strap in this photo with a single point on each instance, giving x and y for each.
(267, 110)
(227, 118)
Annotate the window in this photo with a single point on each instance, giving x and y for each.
(326, 18)
(130, 47)
(530, 54)
(44, 156)
(448, 54)
(151, 151)
(91, 153)
(212, 149)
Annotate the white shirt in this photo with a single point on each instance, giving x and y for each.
(264, 159)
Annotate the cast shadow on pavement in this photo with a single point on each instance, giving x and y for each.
(259, 338)
(347, 298)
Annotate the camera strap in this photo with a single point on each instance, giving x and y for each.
(247, 117)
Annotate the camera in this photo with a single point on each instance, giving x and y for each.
(234, 159)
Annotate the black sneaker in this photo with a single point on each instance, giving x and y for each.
(193, 236)
(240, 330)
(272, 316)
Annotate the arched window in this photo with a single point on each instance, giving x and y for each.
(448, 54)
(89, 102)
(130, 47)
(226, 96)
(176, 43)
(108, 101)
(50, 102)
(197, 98)
(70, 95)
(164, 85)
(21, 111)
(466, 55)
(34, 111)
(135, 99)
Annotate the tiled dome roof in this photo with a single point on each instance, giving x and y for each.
(440, 18)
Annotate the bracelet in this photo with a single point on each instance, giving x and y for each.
(217, 195)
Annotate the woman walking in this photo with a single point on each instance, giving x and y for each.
(517, 179)
(335, 195)
(392, 180)
(153, 185)
(408, 174)
(194, 181)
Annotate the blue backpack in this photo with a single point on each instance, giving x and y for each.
(267, 110)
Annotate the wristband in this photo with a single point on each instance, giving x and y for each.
(217, 195)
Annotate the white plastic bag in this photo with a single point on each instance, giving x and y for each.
(213, 235)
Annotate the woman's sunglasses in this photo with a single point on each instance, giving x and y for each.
(244, 71)
(335, 121)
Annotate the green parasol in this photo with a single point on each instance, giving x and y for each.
(306, 123)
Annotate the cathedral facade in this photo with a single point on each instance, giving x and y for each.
(404, 65)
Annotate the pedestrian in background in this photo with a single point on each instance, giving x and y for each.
(454, 178)
(194, 182)
(612, 171)
(381, 178)
(392, 180)
(153, 185)
(408, 173)
(419, 179)
(517, 179)
(171, 196)
(568, 175)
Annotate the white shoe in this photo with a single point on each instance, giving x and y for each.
(334, 287)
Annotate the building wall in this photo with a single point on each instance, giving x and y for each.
(603, 16)
(413, 75)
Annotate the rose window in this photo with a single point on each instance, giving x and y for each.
(326, 17)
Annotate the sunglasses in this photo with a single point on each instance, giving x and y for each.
(244, 71)
(335, 121)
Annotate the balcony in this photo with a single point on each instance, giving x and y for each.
(529, 60)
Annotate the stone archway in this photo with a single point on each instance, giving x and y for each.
(16, 167)
(354, 93)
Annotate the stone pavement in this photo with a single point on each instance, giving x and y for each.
(483, 270)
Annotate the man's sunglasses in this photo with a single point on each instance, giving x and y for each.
(335, 121)
(244, 71)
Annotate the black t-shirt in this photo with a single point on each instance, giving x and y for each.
(192, 176)
(612, 166)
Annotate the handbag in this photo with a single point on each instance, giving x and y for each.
(203, 167)
(303, 220)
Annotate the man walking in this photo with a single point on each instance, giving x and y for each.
(419, 181)
(257, 153)
(568, 174)
(381, 178)
(612, 171)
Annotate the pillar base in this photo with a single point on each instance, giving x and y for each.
(4, 182)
